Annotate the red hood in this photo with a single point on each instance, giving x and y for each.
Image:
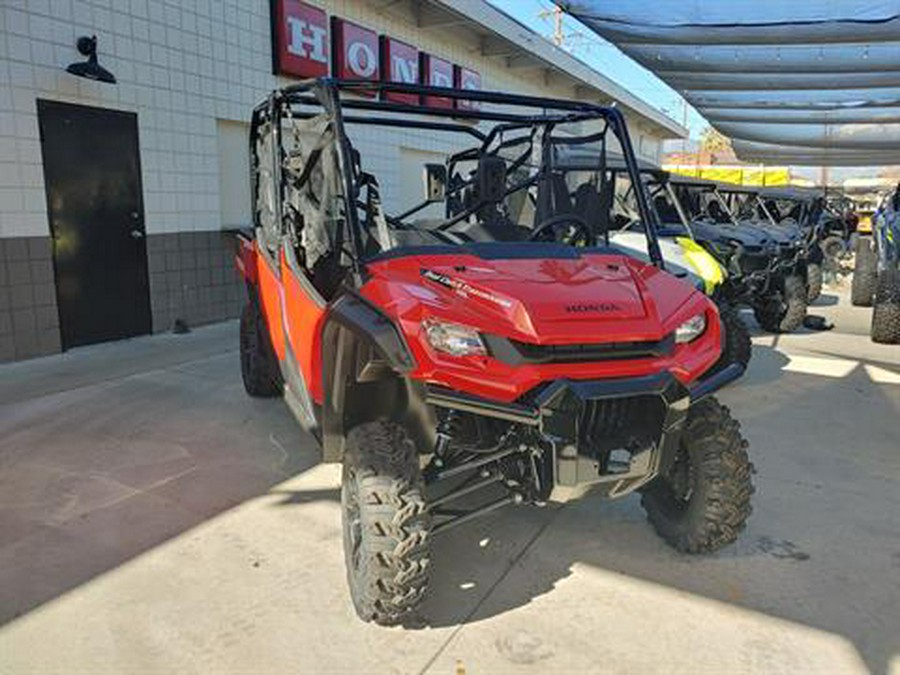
(596, 297)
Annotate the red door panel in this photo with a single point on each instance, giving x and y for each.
(304, 312)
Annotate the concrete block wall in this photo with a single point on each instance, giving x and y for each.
(192, 278)
(29, 321)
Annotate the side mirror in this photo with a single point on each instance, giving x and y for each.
(435, 182)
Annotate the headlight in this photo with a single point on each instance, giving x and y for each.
(690, 329)
(453, 339)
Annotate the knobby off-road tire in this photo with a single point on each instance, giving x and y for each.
(813, 282)
(865, 273)
(786, 316)
(702, 503)
(736, 345)
(259, 365)
(833, 248)
(886, 312)
(386, 523)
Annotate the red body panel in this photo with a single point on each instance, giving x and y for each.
(594, 298)
(304, 323)
(270, 294)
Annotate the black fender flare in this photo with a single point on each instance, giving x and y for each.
(365, 363)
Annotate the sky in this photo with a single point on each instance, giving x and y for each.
(606, 58)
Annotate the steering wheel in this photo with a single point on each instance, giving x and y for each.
(566, 228)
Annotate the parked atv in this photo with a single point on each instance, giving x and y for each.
(502, 353)
(876, 277)
(839, 229)
(760, 275)
(788, 218)
(802, 214)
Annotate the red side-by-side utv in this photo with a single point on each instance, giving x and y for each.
(485, 346)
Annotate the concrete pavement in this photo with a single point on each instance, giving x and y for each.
(153, 519)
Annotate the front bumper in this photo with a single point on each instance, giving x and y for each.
(761, 274)
(652, 408)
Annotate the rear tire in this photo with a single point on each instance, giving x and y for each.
(886, 313)
(736, 345)
(833, 248)
(787, 315)
(259, 365)
(813, 282)
(386, 523)
(702, 503)
(865, 273)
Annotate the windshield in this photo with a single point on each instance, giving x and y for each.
(515, 186)
(702, 202)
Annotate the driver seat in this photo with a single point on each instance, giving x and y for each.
(716, 212)
(593, 208)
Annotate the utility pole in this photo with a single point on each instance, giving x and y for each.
(558, 37)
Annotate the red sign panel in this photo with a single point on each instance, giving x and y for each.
(400, 63)
(466, 79)
(436, 72)
(301, 39)
(355, 51)
(302, 49)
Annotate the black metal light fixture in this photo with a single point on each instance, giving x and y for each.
(90, 68)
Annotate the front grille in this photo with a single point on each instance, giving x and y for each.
(515, 352)
(630, 421)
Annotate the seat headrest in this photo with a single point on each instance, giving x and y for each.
(491, 179)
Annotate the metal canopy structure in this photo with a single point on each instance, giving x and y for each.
(808, 82)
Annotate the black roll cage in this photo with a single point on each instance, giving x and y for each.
(328, 94)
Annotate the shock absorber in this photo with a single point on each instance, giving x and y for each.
(445, 431)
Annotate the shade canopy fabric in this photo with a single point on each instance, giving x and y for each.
(811, 81)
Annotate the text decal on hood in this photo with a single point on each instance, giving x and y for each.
(464, 288)
(594, 307)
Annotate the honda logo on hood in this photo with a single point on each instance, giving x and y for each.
(594, 307)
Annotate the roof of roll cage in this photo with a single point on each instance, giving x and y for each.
(792, 192)
(690, 181)
(588, 158)
(309, 92)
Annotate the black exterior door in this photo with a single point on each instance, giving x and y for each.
(94, 199)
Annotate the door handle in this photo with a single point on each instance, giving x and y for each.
(137, 234)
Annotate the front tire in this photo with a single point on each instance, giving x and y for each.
(702, 503)
(886, 312)
(259, 365)
(865, 273)
(813, 282)
(736, 345)
(785, 315)
(386, 523)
